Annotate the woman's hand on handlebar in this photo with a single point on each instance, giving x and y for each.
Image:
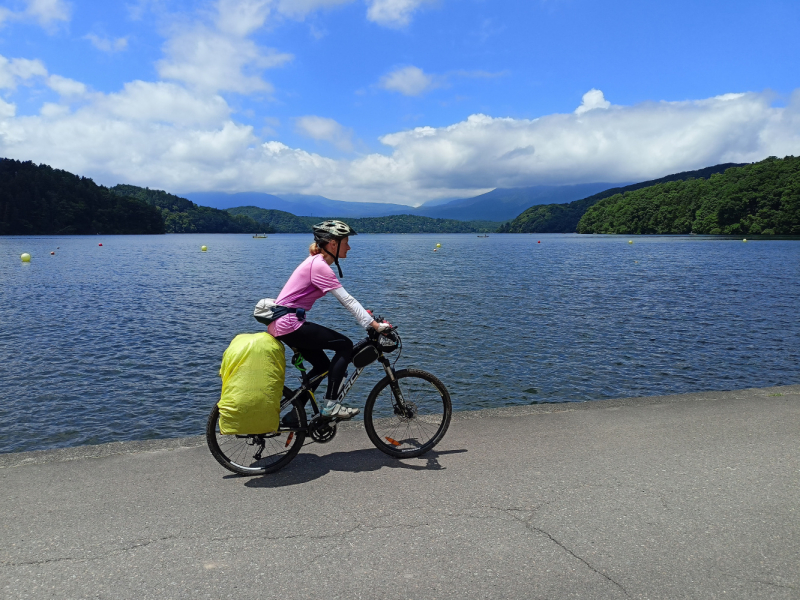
(380, 327)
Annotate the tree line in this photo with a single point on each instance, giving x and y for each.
(564, 218)
(761, 198)
(284, 222)
(40, 200)
(184, 216)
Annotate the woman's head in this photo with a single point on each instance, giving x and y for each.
(331, 238)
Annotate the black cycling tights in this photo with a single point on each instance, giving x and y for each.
(311, 339)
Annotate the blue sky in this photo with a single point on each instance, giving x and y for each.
(395, 100)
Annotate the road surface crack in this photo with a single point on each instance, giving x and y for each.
(104, 554)
(541, 531)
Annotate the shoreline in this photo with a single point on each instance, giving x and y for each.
(37, 457)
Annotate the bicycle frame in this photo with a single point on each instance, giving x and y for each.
(308, 384)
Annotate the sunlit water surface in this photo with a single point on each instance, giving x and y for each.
(124, 341)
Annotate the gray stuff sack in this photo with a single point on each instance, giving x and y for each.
(267, 311)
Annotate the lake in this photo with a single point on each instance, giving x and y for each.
(123, 341)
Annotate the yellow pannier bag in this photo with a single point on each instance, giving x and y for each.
(253, 370)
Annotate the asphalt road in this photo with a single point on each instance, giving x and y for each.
(693, 496)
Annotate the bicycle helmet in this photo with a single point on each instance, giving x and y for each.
(332, 230)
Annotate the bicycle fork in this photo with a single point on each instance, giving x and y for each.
(400, 407)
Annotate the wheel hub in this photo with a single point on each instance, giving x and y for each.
(407, 413)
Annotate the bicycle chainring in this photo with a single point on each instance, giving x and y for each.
(323, 431)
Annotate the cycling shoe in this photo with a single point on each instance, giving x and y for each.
(339, 411)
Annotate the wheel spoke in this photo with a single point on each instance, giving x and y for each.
(238, 453)
(424, 417)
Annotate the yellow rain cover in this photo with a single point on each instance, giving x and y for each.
(253, 369)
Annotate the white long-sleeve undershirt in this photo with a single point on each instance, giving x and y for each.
(362, 316)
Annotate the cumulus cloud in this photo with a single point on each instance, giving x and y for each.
(48, 11)
(45, 12)
(300, 8)
(392, 13)
(107, 44)
(591, 100)
(165, 135)
(18, 70)
(328, 130)
(409, 81)
(66, 87)
(7, 109)
(219, 56)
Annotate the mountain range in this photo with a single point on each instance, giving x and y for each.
(501, 204)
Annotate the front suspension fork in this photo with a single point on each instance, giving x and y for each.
(400, 401)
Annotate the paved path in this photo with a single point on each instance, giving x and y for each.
(693, 496)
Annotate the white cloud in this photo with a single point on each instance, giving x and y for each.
(107, 44)
(301, 8)
(65, 86)
(591, 100)
(44, 12)
(163, 135)
(240, 18)
(162, 103)
(7, 109)
(18, 70)
(409, 81)
(48, 11)
(321, 128)
(392, 13)
(220, 57)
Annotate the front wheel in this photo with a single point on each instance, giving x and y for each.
(413, 426)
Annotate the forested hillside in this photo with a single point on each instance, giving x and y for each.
(563, 218)
(762, 198)
(40, 200)
(284, 222)
(184, 216)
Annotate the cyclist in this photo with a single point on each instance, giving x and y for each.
(310, 281)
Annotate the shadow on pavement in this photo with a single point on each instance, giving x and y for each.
(308, 467)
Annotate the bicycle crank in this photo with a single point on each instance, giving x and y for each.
(322, 432)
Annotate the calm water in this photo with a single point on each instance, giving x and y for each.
(124, 341)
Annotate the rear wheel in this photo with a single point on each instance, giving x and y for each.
(257, 454)
(416, 426)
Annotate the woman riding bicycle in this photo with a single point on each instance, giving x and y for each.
(310, 281)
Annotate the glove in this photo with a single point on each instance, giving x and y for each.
(384, 327)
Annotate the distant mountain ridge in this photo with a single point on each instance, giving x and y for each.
(501, 204)
(504, 204)
(297, 204)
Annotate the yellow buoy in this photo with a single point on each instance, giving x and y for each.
(438, 245)
(744, 240)
(25, 257)
(630, 241)
(203, 248)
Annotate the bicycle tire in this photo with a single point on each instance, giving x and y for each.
(399, 435)
(235, 452)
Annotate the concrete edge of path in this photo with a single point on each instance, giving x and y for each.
(22, 459)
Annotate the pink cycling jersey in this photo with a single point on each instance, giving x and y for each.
(310, 281)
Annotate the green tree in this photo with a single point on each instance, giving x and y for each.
(761, 198)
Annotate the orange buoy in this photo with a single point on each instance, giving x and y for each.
(99, 244)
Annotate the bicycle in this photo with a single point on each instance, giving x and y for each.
(406, 414)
